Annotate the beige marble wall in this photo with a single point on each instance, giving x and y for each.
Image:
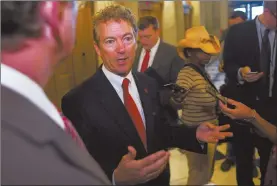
(214, 15)
(195, 13)
(98, 5)
(172, 21)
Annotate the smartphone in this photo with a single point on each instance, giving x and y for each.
(176, 88)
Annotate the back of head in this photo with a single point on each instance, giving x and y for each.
(237, 17)
(19, 20)
(36, 35)
(113, 12)
(240, 14)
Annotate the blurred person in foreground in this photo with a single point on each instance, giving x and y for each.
(36, 148)
(117, 111)
(268, 129)
(250, 66)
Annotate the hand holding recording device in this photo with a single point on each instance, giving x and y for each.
(175, 88)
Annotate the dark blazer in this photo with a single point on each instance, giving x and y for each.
(241, 49)
(36, 151)
(166, 62)
(107, 130)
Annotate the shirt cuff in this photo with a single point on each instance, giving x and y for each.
(240, 79)
(202, 144)
(113, 181)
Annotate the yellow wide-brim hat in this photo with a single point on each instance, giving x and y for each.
(199, 38)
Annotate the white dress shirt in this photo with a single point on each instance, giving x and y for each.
(153, 52)
(116, 82)
(29, 89)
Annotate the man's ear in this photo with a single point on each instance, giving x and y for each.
(52, 13)
(158, 31)
(96, 47)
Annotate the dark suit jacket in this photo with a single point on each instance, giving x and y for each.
(35, 151)
(242, 49)
(107, 130)
(166, 62)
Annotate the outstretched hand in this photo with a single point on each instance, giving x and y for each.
(131, 171)
(209, 133)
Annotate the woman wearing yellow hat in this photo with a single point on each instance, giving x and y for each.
(198, 105)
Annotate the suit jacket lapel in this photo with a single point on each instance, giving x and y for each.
(115, 108)
(255, 43)
(158, 59)
(36, 127)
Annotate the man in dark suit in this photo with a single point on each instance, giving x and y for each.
(117, 112)
(250, 66)
(235, 18)
(155, 53)
(36, 150)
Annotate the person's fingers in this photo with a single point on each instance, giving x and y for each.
(225, 109)
(223, 127)
(253, 77)
(131, 155)
(151, 159)
(227, 134)
(212, 140)
(155, 174)
(155, 168)
(232, 102)
(208, 125)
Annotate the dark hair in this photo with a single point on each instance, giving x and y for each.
(240, 14)
(146, 21)
(19, 20)
(186, 52)
(113, 12)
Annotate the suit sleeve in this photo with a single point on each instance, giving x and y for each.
(73, 109)
(231, 55)
(174, 135)
(176, 66)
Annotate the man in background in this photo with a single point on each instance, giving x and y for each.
(36, 150)
(250, 66)
(155, 53)
(235, 18)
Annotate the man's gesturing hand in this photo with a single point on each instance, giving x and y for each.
(131, 171)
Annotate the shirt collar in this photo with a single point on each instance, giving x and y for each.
(260, 26)
(155, 47)
(117, 80)
(23, 85)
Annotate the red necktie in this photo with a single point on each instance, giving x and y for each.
(145, 61)
(133, 112)
(71, 130)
